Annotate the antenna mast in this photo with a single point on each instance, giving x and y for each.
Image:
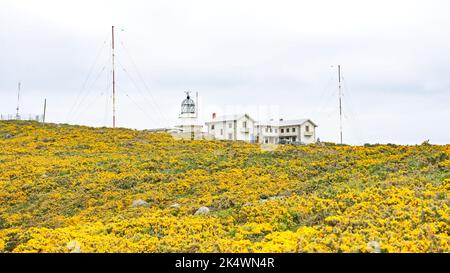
(113, 79)
(45, 110)
(18, 101)
(340, 102)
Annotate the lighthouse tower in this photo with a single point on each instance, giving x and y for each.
(188, 117)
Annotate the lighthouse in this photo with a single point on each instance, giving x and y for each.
(188, 117)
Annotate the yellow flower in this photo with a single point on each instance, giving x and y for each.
(71, 188)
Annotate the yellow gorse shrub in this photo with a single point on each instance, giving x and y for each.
(71, 188)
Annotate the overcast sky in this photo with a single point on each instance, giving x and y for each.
(271, 59)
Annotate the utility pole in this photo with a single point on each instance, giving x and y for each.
(113, 79)
(18, 101)
(340, 101)
(45, 110)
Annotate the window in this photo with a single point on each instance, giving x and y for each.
(221, 132)
(266, 140)
(282, 130)
(212, 127)
(307, 128)
(293, 130)
(276, 130)
(229, 125)
(244, 124)
(271, 130)
(230, 136)
(287, 130)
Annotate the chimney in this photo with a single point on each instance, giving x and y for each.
(213, 115)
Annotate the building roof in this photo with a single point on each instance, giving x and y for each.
(269, 123)
(169, 129)
(296, 122)
(229, 118)
(285, 122)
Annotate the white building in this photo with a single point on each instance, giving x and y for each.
(243, 127)
(286, 131)
(232, 127)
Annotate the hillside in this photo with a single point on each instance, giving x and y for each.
(72, 188)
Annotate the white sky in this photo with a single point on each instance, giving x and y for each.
(268, 58)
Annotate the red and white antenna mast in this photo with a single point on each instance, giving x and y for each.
(340, 102)
(113, 80)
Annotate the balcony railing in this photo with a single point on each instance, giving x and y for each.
(28, 117)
